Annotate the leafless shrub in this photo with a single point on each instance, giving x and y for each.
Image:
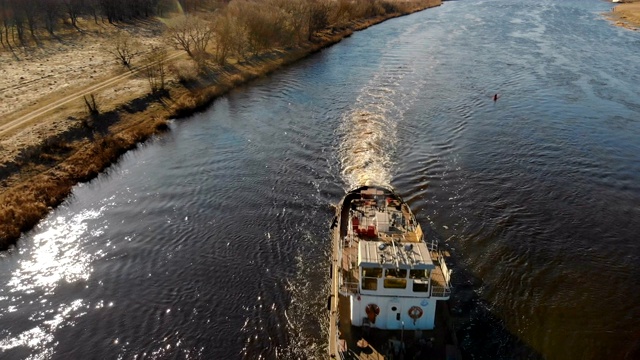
(389, 7)
(266, 25)
(342, 12)
(191, 34)
(318, 16)
(293, 14)
(155, 69)
(224, 34)
(236, 40)
(91, 105)
(185, 70)
(124, 48)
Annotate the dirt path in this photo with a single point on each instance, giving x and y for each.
(42, 87)
(25, 119)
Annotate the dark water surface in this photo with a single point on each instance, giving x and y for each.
(212, 241)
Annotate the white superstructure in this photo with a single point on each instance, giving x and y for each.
(392, 277)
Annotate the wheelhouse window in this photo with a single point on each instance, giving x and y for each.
(420, 280)
(370, 278)
(395, 278)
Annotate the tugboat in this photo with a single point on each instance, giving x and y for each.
(389, 285)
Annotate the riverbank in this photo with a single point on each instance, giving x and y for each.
(626, 15)
(36, 176)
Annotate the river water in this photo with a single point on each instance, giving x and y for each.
(212, 240)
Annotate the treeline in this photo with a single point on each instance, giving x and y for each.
(21, 20)
(245, 28)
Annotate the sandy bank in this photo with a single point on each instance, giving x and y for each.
(42, 160)
(626, 15)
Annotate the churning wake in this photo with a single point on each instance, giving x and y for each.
(368, 140)
(368, 131)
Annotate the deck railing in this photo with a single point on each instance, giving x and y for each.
(347, 288)
(433, 245)
(445, 270)
(443, 291)
(338, 347)
(440, 291)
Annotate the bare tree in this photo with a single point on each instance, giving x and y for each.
(189, 6)
(191, 34)
(237, 40)
(163, 6)
(318, 13)
(4, 19)
(343, 11)
(225, 35)
(31, 9)
(112, 9)
(124, 48)
(293, 16)
(51, 14)
(230, 37)
(261, 27)
(73, 9)
(18, 21)
(91, 105)
(156, 68)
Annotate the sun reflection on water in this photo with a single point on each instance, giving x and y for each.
(54, 257)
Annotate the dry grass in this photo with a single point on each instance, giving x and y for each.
(24, 204)
(43, 174)
(71, 60)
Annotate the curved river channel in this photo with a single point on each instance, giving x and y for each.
(212, 241)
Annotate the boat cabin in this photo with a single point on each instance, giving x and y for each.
(393, 268)
(392, 276)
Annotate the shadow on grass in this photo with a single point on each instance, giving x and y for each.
(141, 104)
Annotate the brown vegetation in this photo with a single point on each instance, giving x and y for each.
(156, 69)
(230, 46)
